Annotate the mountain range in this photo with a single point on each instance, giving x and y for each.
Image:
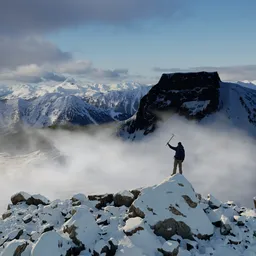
(199, 96)
(44, 105)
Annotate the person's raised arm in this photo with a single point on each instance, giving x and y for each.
(173, 148)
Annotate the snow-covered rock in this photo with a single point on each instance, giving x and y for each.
(240, 220)
(51, 243)
(165, 219)
(20, 197)
(82, 227)
(170, 248)
(172, 208)
(15, 247)
(213, 202)
(102, 200)
(37, 199)
(133, 225)
(123, 198)
(7, 214)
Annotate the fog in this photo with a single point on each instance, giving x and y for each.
(219, 160)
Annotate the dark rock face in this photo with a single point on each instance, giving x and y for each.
(193, 95)
(104, 200)
(170, 227)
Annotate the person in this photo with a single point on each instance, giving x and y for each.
(178, 158)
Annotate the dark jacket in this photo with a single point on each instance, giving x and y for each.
(180, 152)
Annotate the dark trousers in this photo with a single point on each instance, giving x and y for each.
(177, 163)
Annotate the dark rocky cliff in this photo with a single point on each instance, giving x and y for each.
(193, 95)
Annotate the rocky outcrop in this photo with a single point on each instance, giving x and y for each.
(166, 219)
(170, 209)
(103, 200)
(28, 199)
(193, 95)
(123, 198)
(82, 227)
(20, 197)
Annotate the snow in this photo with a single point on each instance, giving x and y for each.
(68, 87)
(45, 104)
(213, 201)
(79, 197)
(195, 106)
(25, 195)
(126, 193)
(85, 224)
(61, 225)
(170, 246)
(41, 198)
(27, 217)
(133, 223)
(50, 243)
(169, 193)
(12, 246)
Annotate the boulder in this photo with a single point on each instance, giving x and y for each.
(6, 215)
(20, 197)
(170, 208)
(104, 200)
(105, 248)
(82, 227)
(133, 225)
(51, 243)
(170, 248)
(225, 225)
(14, 248)
(27, 218)
(15, 234)
(123, 198)
(240, 220)
(37, 200)
(213, 202)
(214, 216)
(101, 247)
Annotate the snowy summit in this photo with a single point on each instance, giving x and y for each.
(165, 219)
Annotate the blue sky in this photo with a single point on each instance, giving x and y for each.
(205, 33)
(126, 40)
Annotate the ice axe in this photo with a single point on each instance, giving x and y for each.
(170, 139)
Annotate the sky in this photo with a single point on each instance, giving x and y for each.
(117, 40)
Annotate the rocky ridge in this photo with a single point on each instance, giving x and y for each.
(165, 219)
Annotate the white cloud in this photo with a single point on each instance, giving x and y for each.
(219, 160)
(34, 73)
(22, 51)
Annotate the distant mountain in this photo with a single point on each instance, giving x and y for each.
(196, 96)
(70, 102)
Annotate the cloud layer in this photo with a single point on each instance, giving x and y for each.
(219, 160)
(229, 73)
(59, 72)
(30, 17)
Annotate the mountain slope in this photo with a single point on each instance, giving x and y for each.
(50, 109)
(198, 96)
(69, 102)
